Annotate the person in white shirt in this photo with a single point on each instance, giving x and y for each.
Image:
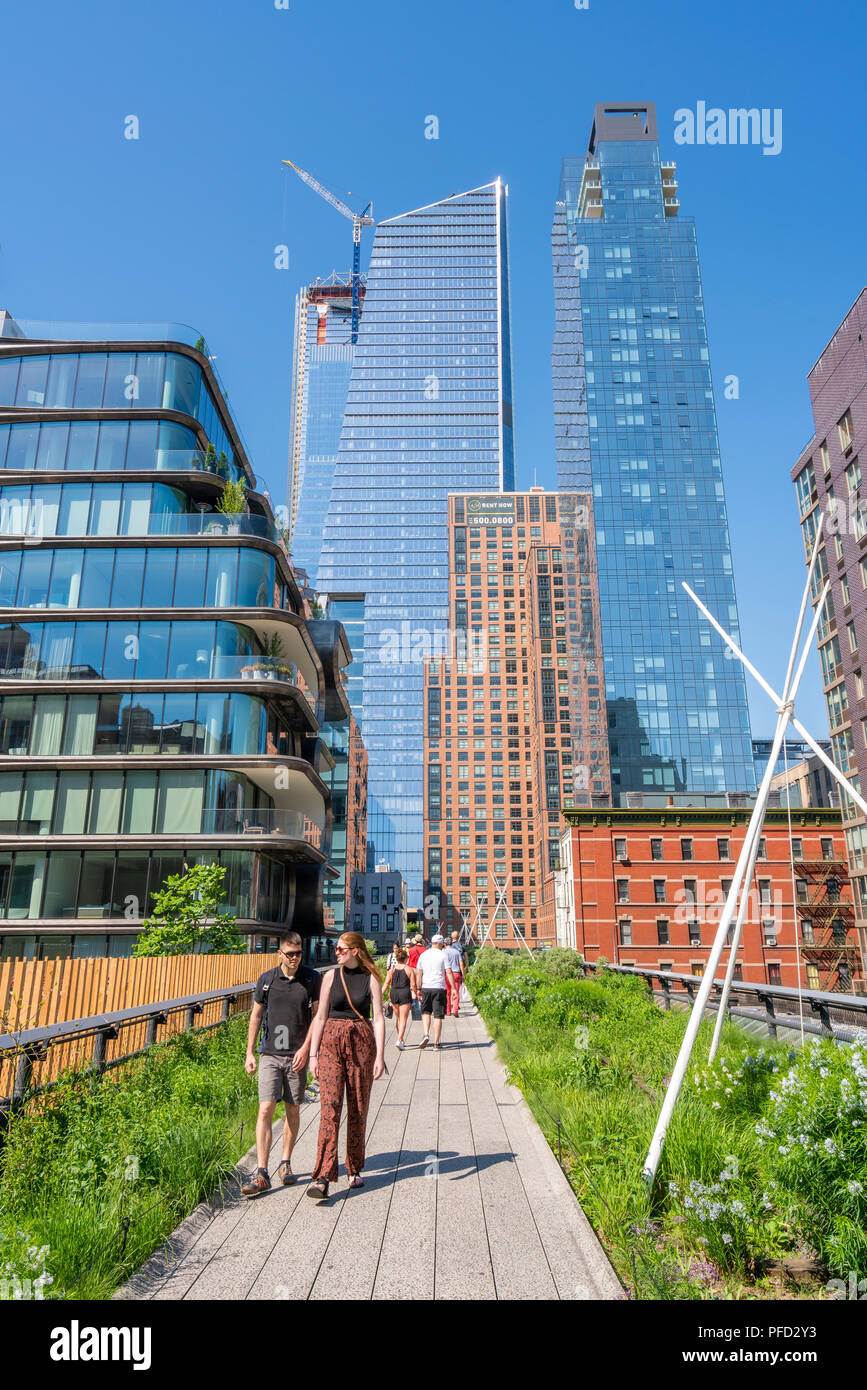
(455, 960)
(434, 978)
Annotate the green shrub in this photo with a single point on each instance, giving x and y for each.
(561, 963)
(490, 964)
(813, 1136)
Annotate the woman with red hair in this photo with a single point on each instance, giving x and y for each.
(346, 1054)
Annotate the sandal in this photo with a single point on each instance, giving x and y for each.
(356, 1180)
(318, 1191)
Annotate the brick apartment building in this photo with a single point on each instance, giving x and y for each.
(515, 724)
(646, 887)
(827, 479)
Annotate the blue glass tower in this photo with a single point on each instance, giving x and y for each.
(635, 419)
(429, 412)
(322, 368)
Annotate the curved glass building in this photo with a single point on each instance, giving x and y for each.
(161, 689)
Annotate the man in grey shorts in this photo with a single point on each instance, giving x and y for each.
(285, 1001)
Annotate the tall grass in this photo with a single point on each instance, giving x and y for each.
(102, 1168)
(596, 1055)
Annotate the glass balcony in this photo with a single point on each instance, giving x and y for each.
(212, 524)
(198, 461)
(261, 824)
(63, 331)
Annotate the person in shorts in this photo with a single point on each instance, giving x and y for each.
(434, 979)
(285, 1001)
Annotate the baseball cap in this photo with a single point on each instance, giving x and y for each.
(437, 937)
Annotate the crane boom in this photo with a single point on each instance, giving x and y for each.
(358, 220)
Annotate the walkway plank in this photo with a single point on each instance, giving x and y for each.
(463, 1199)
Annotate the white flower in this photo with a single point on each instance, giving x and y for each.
(727, 1240)
(855, 1189)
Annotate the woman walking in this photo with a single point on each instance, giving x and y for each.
(346, 1053)
(400, 982)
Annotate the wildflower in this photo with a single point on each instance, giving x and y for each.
(727, 1240)
(854, 1188)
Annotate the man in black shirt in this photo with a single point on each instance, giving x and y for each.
(285, 1001)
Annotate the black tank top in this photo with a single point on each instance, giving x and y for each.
(358, 984)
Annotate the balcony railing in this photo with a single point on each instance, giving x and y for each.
(267, 824)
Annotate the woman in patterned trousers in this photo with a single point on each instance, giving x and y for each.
(346, 1054)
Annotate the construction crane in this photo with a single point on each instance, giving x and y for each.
(358, 220)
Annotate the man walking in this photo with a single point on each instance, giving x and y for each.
(434, 978)
(454, 958)
(285, 1001)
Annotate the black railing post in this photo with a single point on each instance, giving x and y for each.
(23, 1073)
(690, 989)
(768, 1001)
(99, 1042)
(192, 1010)
(154, 1021)
(228, 1001)
(666, 993)
(821, 1008)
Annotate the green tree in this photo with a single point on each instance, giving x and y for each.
(186, 917)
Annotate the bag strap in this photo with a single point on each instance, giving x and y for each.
(349, 999)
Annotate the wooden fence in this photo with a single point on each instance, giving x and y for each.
(34, 994)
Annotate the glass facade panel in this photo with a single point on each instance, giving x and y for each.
(437, 302)
(634, 419)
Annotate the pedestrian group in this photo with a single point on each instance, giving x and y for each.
(334, 1024)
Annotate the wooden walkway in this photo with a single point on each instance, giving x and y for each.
(463, 1199)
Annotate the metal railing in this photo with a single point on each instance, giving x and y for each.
(243, 820)
(840, 1016)
(35, 1057)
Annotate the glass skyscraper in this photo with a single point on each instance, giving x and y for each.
(429, 412)
(635, 419)
(320, 380)
(161, 689)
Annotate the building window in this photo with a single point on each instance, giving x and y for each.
(656, 849)
(625, 931)
(374, 921)
(374, 895)
(812, 977)
(620, 849)
(389, 895)
(797, 847)
(845, 430)
(696, 967)
(774, 975)
(694, 933)
(807, 935)
(769, 927)
(827, 848)
(722, 849)
(686, 849)
(662, 932)
(763, 848)
(689, 890)
(659, 890)
(389, 922)
(623, 890)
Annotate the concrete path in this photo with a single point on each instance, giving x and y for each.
(462, 1199)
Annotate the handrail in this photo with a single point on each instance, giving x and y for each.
(821, 1002)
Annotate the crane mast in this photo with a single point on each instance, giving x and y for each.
(358, 220)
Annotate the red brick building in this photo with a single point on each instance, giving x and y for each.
(515, 723)
(647, 887)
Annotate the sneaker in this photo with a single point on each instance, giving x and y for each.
(257, 1185)
(424, 1042)
(287, 1177)
(400, 1045)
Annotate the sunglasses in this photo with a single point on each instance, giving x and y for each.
(341, 950)
(290, 955)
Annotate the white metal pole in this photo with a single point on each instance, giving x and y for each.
(753, 831)
(795, 723)
(748, 877)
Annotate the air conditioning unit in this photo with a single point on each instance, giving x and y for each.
(623, 858)
(634, 801)
(736, 799)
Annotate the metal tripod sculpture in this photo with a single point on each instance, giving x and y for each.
(785, 715)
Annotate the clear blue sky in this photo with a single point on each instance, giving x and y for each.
(182, 223)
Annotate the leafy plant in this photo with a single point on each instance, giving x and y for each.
(232, 500)
(186, 917)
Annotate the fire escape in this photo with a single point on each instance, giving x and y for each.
(829, 944)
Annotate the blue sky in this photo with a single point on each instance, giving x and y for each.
(181, 224)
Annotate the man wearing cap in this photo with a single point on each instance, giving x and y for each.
(434, 977)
